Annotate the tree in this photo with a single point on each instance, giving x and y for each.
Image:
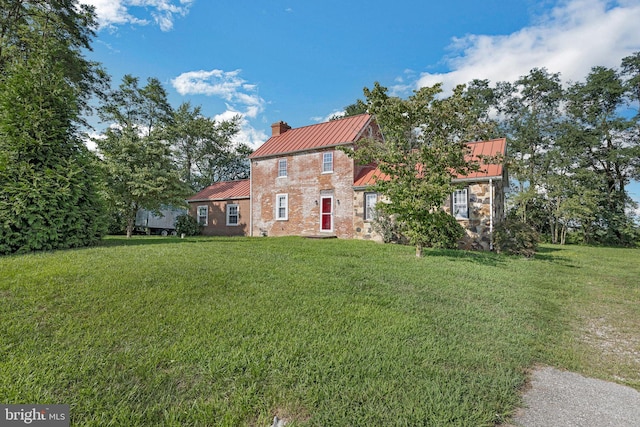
(424, 148)
(204, 148)
(606, 144)
(49, 192)
(531, 112)
(140, 172)
(358, 107)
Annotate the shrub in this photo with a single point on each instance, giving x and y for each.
(188, 225)
(516, 238)
(385, 225)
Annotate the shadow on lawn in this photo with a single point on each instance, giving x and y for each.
(112, 241)
(548, 254)
(484, 258)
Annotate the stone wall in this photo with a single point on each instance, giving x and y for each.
(362, 229)
(478, 225)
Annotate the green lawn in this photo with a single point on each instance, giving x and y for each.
(232, 331)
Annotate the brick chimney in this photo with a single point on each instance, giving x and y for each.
(279, 128)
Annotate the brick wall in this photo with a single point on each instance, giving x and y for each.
(217, 217)
(304, 184)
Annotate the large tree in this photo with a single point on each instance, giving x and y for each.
(607, 144)
(140, 170)
(531, 112)
(49, 193)
(424, 148)
(204, 148)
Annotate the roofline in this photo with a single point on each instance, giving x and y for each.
(218, 199)
(285, 153)
(309, 150)
(484, 178)
(487, 178)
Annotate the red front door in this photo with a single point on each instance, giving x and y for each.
(326, 215)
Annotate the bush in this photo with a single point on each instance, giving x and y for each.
(387, 227)
(188, 225)
(515, 238)
(439, 230)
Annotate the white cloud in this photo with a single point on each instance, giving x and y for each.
(241, 98)
(575, 36)
(227, 85)
(248, 134)
(332, 115)
(117, 12)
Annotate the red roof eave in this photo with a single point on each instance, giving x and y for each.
(369, 174)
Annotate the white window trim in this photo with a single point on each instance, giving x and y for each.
(369, 217)
(285, 168)
(285, 197)
(237, 215)
(454, 205)
(206, 215)
(326, 163)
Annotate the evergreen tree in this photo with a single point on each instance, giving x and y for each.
(48, 183)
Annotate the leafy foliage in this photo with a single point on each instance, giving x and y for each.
(140, 171)
(386, 226)
(423, 149)
(204, 148)
(574, 150)
(515, 237)
(49, 197)
(187, 225)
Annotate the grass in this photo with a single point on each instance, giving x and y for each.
(232, 331)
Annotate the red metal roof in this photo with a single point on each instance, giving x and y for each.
(224, 190)
(369, 174)
(327, 134)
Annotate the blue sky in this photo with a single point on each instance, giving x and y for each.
(302, 61)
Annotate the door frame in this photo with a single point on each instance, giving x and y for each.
(322, 213)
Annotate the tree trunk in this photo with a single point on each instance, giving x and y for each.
(419, 250)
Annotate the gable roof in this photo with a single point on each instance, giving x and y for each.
(224, 190)
(328, 134)
(369, 174)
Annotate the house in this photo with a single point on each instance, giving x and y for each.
(478, 205)
(303, 184)
(223, 209)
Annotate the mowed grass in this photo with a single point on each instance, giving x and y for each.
(233, 331)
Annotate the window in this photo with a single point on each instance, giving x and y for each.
(233, 214)
(282, 207)
(460, 206)
(370, 200)
(327, 162)
(282, 168)
(203, 215)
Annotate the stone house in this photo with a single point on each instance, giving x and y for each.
(303, 184)
(478, 205)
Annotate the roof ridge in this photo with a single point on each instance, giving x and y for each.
(324, 123)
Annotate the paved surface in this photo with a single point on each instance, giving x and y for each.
(567, 399)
